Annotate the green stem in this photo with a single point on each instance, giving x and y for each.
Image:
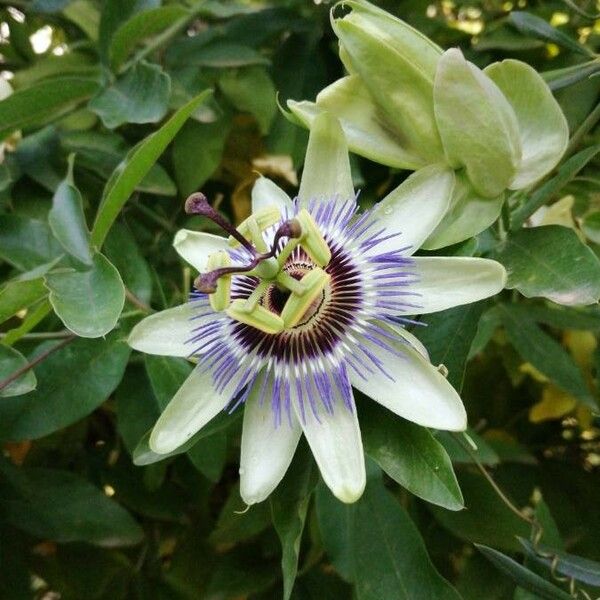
(588, 124)
(45, 335)
(495, 486)
(133, 299)
(580, 11)
(19, 372)
(163, 38)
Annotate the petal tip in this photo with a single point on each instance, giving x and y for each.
(350, 492)
(160, 441)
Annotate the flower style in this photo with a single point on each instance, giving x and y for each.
(316, 306)
(407, 104)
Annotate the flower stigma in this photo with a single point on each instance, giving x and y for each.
(288, 292)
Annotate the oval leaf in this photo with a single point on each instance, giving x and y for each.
(552, 262)
(410, 455)
(140, 96)
(89, 302)
(67, 221)
(72, 382)
(60, 506)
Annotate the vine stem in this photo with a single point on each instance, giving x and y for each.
(43, 356)
(494, 485)
(137, 302)
(45, 335)
(588, 124)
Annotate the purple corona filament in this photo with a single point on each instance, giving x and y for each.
(307, 367)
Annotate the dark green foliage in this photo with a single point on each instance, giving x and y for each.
(126, 108)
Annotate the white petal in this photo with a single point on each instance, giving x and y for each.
(267, 450)
(409, 338)
(166, 332)
(415, 207)
(265, 193)
(326, 171)
(418, 391)
(193, 406)
(337, 447)
(196, 246)
(444, 282)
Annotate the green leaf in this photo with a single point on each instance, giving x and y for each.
(386, 556)
(217, 55)
(101, 153)
(17, 294)
(10, 362)
(552, 262)
(298, 72)
(206, 143)
(289, 506)
(61, 506)
(135, 167)
(561, 78)
(563, 317)
(125, 254)
(140, 96)
(67, 221)
(486, 520)
(237, 522)
(86, 15)
(590, 225)
(141, 27)
(166, 375)
(48, 6)
(251, 90)
(534, 26)
(27, 243)
(551, 188)
(136, 407)
(209, 454)
(579, 568)
(89, 303)
(44, 102)
(448, 336)
(410, 455)
(544, 353)
(484, 453)
(523, 576)
(114, 14)
(72, 382)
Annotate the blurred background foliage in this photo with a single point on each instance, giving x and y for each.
(109, 84)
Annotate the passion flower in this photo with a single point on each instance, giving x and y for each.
(305, 300)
